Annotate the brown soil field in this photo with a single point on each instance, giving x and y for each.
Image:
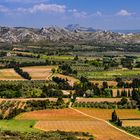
(53, 115)
(98, 99)
(131, 123)
(106, 113)
(39, 72)
(9, 74)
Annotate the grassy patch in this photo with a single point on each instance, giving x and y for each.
(18, 125)
(109, 74)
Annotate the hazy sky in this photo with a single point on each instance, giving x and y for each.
(101, 14)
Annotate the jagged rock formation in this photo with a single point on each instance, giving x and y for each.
(69, 33)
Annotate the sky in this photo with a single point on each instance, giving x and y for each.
(99, 14)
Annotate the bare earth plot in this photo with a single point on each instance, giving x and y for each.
(71, 120)
(9, 74)
(39, 72)
(131, 123)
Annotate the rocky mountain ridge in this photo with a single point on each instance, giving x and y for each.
(67, 34)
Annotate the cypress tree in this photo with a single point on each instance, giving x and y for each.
(114, 116)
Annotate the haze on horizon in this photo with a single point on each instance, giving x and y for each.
(99, 14)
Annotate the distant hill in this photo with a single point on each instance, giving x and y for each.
(77, 27)
(127, 31)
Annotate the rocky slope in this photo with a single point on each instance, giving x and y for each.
(70, 33)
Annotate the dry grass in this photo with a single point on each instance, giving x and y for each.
(106, 113)
(131, 123)
(98, 99)
(9, 74)
(39, 72)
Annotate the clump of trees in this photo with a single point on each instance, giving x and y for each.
(115, 119)
(45, 104)
(62, 83)
(67, 70)
(87, 89)
(32, 89)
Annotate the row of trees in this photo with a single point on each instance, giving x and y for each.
(10, 109)
(24, 74)
(123, 104)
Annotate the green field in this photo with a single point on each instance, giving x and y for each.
(58, 57)
(109, 74)
(18, 125)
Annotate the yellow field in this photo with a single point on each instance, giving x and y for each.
(99, 129)
(9, 74)
(39, 72)
(131, 123)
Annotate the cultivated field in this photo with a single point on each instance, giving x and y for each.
(110, 74)
(71, 120)
(106, 113)
(39, 72)
(9, 74)
(53, 115)
(131, 123)
(99, 129)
